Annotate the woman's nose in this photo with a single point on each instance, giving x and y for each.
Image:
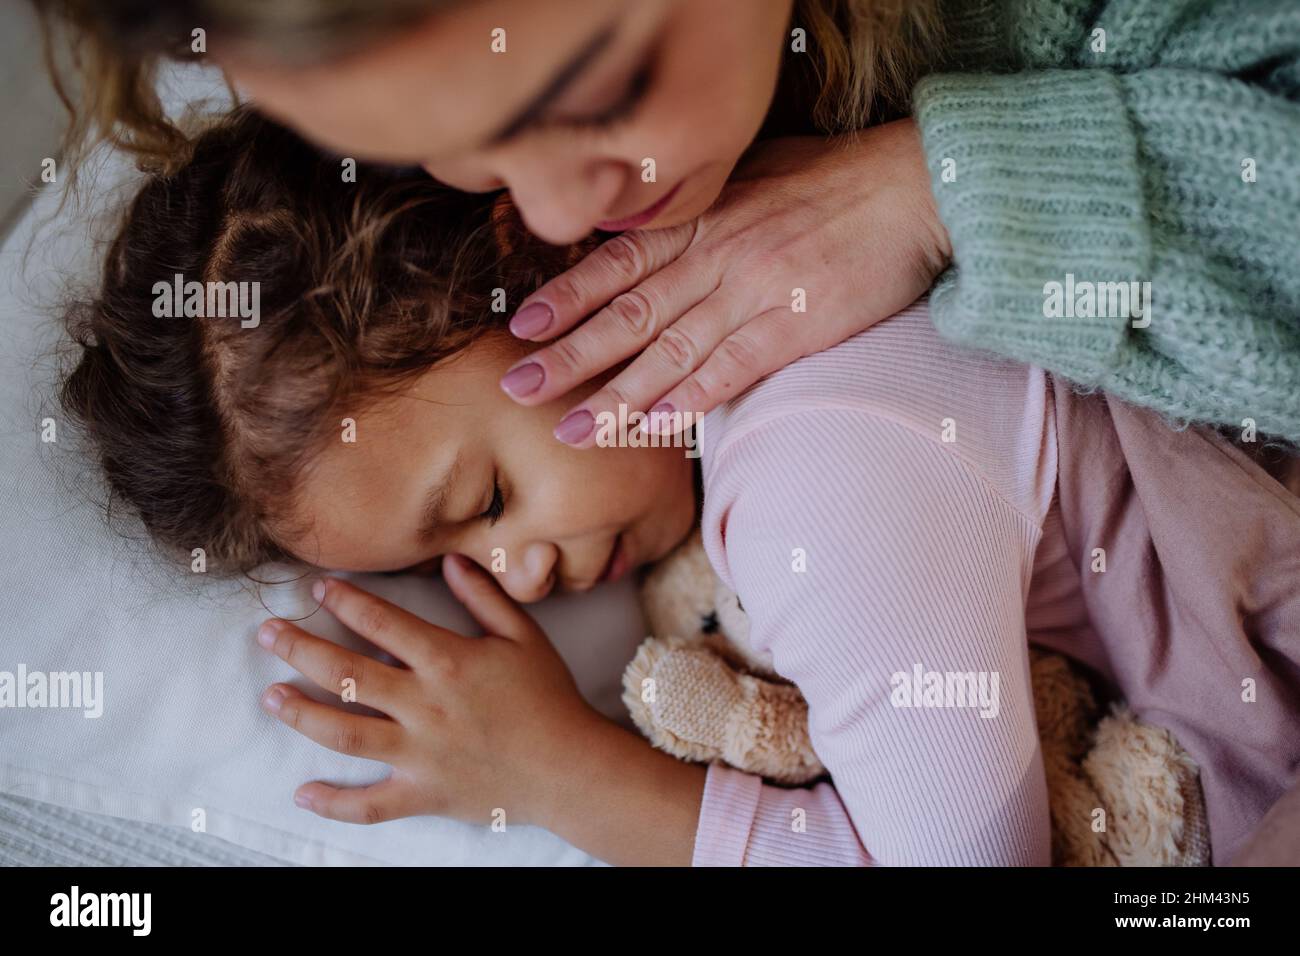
(560, 205)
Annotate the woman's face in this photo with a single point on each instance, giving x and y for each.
(452, 465)
(588, 99)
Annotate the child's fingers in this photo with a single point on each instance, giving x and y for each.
(352, 676)
(490, 606)
(374, 738)
(410, 639)
(386, 800)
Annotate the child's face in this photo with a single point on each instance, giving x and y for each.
(567, 518)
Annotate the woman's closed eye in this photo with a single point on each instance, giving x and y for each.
(620, 111)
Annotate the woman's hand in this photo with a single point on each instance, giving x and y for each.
(813, 240)
(471, 725)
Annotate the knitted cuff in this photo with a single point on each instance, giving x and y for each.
(1036, 176)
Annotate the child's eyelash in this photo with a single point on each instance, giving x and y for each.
(497, 507)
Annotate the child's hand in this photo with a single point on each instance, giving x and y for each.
(473, 725)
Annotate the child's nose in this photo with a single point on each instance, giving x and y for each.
(527, 573)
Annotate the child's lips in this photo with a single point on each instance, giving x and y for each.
(618, 562)
(616, 565)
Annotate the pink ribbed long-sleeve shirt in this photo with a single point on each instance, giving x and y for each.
(884, 506)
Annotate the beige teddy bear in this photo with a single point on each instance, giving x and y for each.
(1122, 793)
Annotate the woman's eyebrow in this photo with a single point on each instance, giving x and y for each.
(436, 499)
(558, 83)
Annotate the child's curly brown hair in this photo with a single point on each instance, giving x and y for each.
(202, 425)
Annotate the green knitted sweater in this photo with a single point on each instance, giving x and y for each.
(1169, 156)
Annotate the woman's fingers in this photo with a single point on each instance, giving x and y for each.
(332, 668)
(490, 606)
(409, 638)
(387, 800)
(762, 345)
(677, 352)
(374, 738)
(618, 329)
(613, 267)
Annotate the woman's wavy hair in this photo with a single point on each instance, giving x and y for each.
(866, 55)
(203, 426)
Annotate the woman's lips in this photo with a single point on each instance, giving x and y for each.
(641, 218)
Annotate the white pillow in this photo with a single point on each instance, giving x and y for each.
(181, 729)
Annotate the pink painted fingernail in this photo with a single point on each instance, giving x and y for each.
(523, 380)
(575, 426)
(531, 320)
(658, 417)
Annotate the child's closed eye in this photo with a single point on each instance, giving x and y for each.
(496, 508)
